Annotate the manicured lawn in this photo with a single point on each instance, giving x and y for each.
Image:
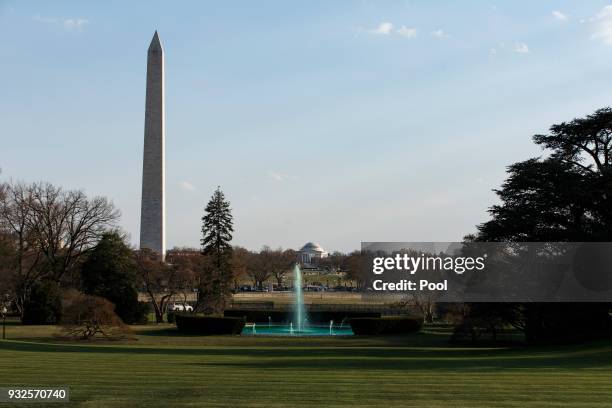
(163, 369)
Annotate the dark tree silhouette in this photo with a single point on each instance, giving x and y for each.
(217, 229)
(110, 272)
(564, 196)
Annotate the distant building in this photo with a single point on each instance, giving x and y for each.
(310, 254)
(175, 253)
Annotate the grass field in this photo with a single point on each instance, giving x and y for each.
(164, 369)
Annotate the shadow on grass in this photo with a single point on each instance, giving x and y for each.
(164, 332)
(597, 355)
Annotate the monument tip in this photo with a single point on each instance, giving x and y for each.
(155, 42)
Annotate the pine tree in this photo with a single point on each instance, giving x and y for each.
(217, 229)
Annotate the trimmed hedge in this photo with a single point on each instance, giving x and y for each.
(257, 316)
(280, 316)
(208, 325)
(386, 325)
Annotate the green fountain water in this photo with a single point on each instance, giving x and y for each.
(299, 310)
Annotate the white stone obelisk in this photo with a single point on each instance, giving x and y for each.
(153, 206)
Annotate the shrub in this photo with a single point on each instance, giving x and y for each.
(85, 317)
(170, 317)
(385, 325)
(44, 304)
(207, 325)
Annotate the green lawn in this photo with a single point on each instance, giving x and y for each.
(163, 369)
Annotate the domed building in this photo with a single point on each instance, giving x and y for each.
(310, 253)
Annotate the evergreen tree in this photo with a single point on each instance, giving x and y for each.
(565, 196)
(109, 272)
(217, 229)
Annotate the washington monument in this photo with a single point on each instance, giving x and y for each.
(153, 207)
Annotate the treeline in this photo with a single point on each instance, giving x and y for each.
(276, 265)
(54, 242)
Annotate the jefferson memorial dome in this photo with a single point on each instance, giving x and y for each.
(310, 252)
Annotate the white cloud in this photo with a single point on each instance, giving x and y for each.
(408, 32)
(439, 33)
(277, 176)
(387, 28)
(68, 23)
(602, 25)
(521, 48)
(384, 28)
(187, 186)
(73, 23)
(493, 51)
(559, 15)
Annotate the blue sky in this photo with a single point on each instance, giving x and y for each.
(335, 122)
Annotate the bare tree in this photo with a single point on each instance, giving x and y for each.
(25, 268)
(355, 262)
(158, 280)
(66, 225)
(51, 231)
(423, 303)
(282, 263)
(185, 275)
(240, 262)
(260, 266)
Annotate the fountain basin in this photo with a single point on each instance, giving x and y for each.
(286, 330)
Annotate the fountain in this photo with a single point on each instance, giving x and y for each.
(299, 311)
(298, 324)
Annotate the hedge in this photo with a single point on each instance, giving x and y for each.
(386, 325)
(207, 325)
(280, 316)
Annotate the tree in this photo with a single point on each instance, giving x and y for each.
(158, 280)
(261, 265)
(44, 305)
(566, 196)
(240, 263)
(355, 262)
(282, 264)
(184, 274)
(217, 229)
(66, 225)
(52, 231)
(110, 272)
(25, 266)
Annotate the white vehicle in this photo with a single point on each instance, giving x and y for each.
(179, 307)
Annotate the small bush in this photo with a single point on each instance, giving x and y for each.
(207, 325)
(85, 317)
(385, 325)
